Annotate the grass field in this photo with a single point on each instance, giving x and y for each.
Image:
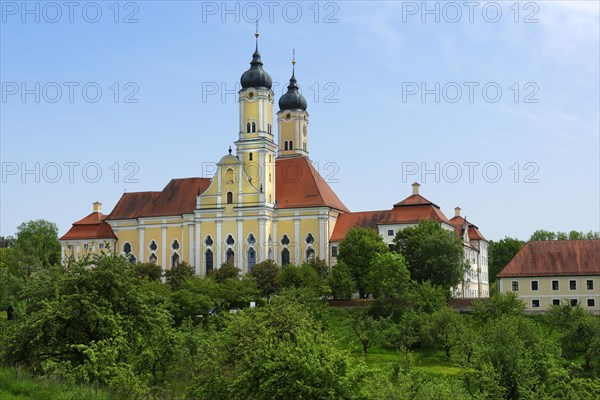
(430, 361)
(18, 385)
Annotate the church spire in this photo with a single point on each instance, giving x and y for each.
(256, 76)
(292, 99)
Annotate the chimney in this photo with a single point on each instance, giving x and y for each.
(457, 212)
(97, 206)
(416, 187)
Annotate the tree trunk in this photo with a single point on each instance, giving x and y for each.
(365, 343)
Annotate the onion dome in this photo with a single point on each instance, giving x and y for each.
(256, 76)
(292, 99)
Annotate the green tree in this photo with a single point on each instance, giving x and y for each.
(433, 254)
(500, 253)
(445, 326)
(178, 274)
(341, 282)
(367, 327)
(542, 234)
(37, 245)
(265, 275)
(277, 352)
(357, 250)
(6, 241)
(407, 332)
(226, 271)
(150, 271)
(498, 305)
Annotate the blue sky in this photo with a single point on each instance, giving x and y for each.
(438, 93)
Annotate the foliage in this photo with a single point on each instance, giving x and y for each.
(37, 245)
(512, 359)
(226, 271)
(302, 276)
(341, 282)
(367, 328)
(407, 332)
(150, 271)
(542, 234)
(278, 352)
(178, 274)
(388, 277)
(357, 250)
(445, 326)
(265, 275)
(500, 253)
(433, 254)
(498, 305)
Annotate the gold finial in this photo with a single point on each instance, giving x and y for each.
(256, 34)
(293, 56)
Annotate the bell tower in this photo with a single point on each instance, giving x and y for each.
(292, 120)
(256, 147)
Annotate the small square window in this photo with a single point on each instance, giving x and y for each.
(554, 285)
(573, 302)
(101, 245)
(515, 286)
(590, 284)
(556, 302)
(535, 303)
(334, 251)
(390, 232)
(573, 284)
(85, 246)
(591, 303)
(534, 285)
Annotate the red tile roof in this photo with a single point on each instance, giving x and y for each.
(365, 219)
(90, 227)
(177, 198)
(555, 258)
(474, 233)
(299, 185)
(412, 210)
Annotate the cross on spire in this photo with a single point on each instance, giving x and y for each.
(256, 34)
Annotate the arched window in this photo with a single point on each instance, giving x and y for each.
(247, 127)
(251, 258)
(229, 175)
(251, 239)
(285, 256)
(132, 258)
(229, 198)
(286, 145)
(230, 256)
(285, 240)
(310, 254)
(253, 127)
(310, 239)
(153, 259)
(230, 240)
(175, 244)
(291, 145)
(153, 246)
(208, 257)
(174, 260)
(250, 156)
(127, 248)
(208, 241)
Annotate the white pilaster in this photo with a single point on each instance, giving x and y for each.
(297, 241)
(197, 241)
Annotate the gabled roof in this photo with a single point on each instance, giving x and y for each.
(177, 198)
(415, 200)
(90, 227)
(299, 185)
(555, 258)
(347, 221)
(474, 234)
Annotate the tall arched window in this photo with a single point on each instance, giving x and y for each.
(230, 256)
(310, 254)
(251, 258)
(286, 145)
(247, 127)
(127, 248)
(250, 156)
(174, 260)
(291, 145)
(208, 257)
(153, 259)
(253, 127)
(285, 256)
(229, 198)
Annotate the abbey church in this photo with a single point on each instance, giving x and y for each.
(265, 201)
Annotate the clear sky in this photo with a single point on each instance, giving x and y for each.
(491, 106)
